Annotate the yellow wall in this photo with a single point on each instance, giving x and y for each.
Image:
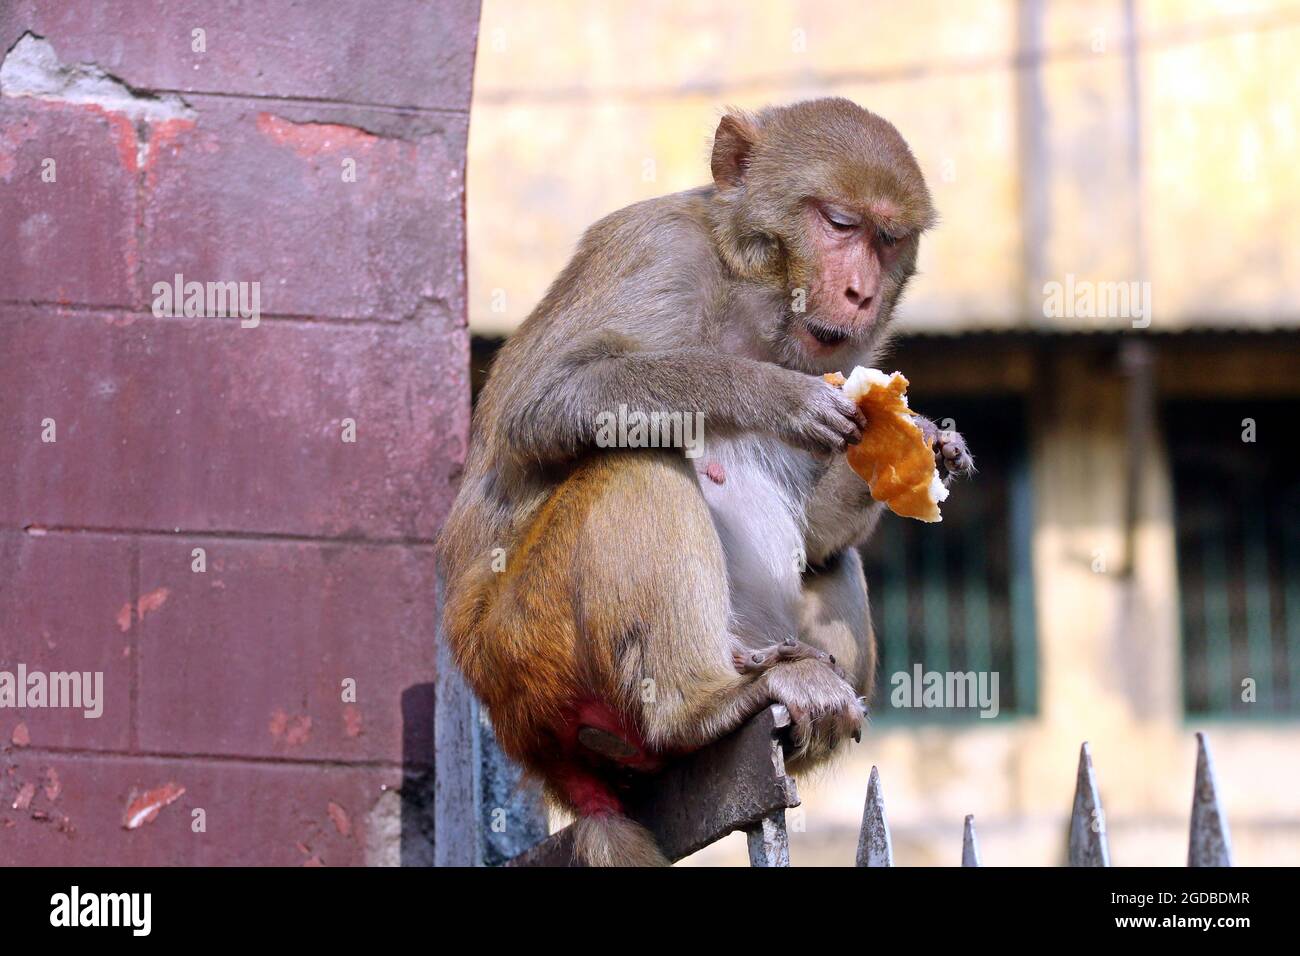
(1048, 155)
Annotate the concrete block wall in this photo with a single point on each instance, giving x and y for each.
(317, 150)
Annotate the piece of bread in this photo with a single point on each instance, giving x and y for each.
(893, 457)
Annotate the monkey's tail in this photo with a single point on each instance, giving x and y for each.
(603, 835)
(612, 839)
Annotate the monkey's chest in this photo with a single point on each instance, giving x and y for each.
(739, 474)
(757, 493)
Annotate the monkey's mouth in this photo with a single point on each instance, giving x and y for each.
(826, 335)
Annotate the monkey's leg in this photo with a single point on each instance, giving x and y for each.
(653, 602)
(654, 613)
(836, 617)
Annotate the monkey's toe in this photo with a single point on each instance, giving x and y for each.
(950, 451)
(791, 649)
(755, 662)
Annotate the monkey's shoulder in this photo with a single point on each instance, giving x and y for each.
(678, 222)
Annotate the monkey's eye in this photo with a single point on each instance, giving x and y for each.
(886, 239)
(838, 221)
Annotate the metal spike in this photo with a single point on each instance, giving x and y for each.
(875, 848)
(769, 843)
(1088, 844)
(970, 849)
(1208, 844)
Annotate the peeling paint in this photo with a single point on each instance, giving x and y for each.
(24, 798)
(32, 68)
(52, 786)
(290, 730)
(311, 140)
(153, 600)
(352, 720)
(147, 603)
(141, 122)
(144, 808)
(342, 822)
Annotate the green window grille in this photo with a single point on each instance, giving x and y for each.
(958, 597)
(1237, 527)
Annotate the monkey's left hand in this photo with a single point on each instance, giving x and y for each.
(950, 454)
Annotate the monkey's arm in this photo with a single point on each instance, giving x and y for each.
(557, 413)
(841, 512)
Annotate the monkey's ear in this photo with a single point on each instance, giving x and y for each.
(733, 145)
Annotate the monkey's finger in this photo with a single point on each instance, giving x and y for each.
(844, 424)
(850, 722)
(820, 438)
(850, 412)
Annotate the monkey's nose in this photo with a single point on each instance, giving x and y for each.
(858, 300)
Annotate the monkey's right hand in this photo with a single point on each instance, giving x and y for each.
(822, 420)
(823, 706)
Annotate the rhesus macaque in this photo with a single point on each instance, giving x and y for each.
(651, 602)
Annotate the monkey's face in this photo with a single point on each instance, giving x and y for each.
(854, 262)
(824, 201)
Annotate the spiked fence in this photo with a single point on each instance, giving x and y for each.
(1207, 844)
(740, 783)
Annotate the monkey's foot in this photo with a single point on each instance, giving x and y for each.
(950, 453)
(823, 707)
(758, 661)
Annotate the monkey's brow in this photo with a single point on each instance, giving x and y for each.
(889, 216)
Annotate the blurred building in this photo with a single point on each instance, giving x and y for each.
(1109, 311)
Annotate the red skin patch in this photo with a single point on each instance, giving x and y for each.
(716, 473)
(582, 775)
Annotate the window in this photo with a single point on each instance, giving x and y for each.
(1237, 526)
(957, 597)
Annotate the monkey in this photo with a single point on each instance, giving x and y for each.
(650, 603)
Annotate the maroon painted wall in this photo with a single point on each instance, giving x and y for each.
(178, 433)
